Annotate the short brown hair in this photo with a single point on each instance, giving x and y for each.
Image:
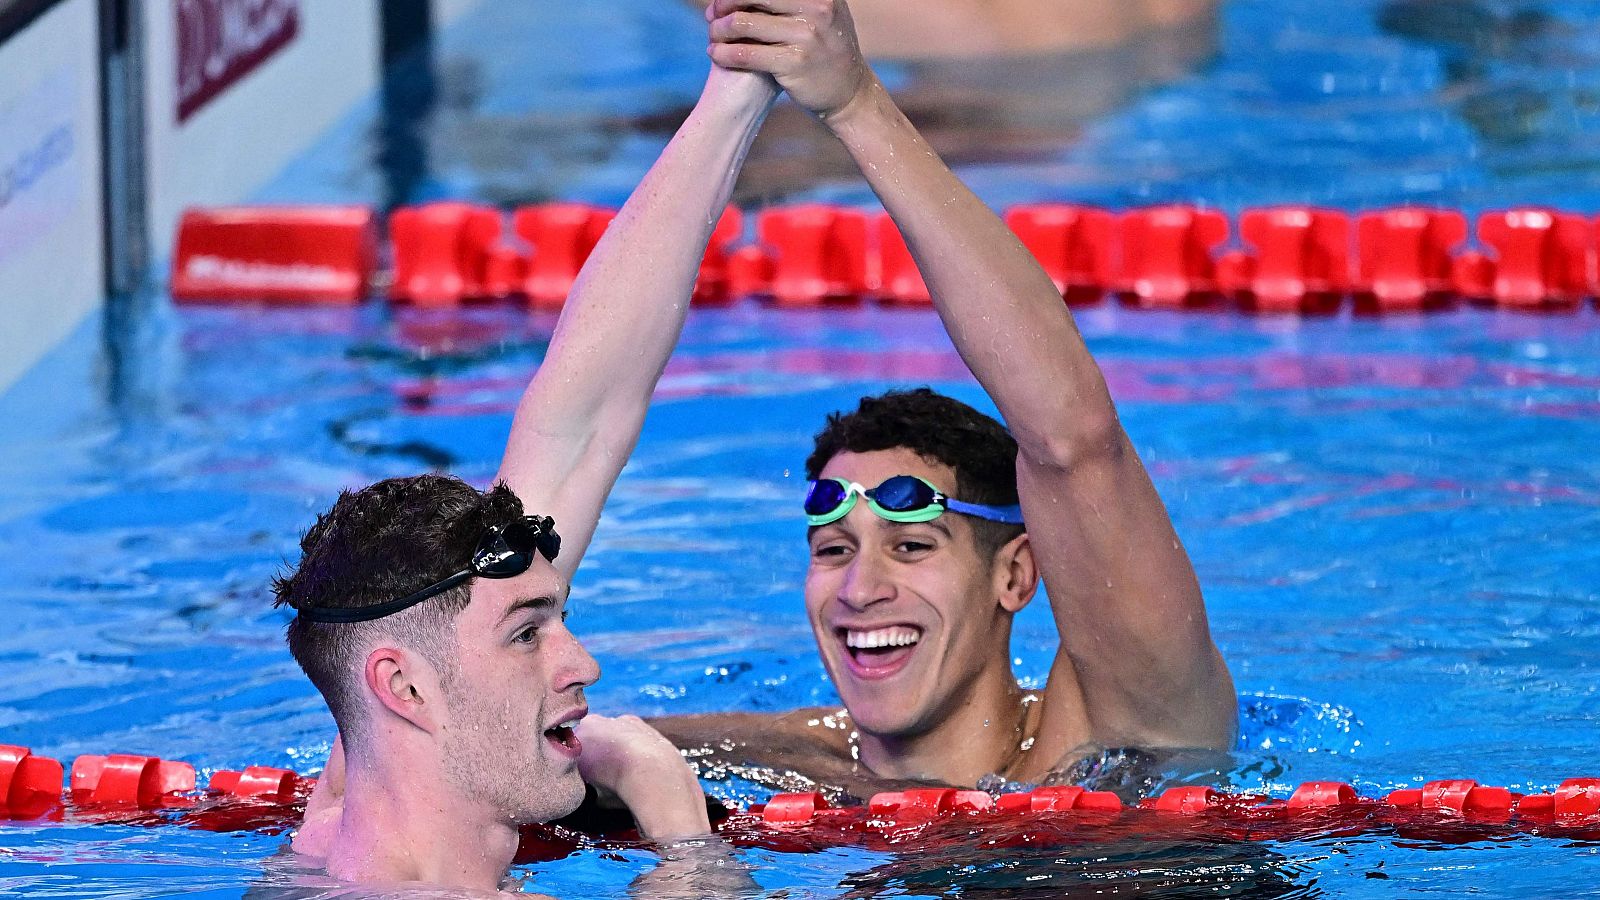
(382, 542)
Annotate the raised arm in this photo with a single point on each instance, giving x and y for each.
(1134, 637)
(580, 417)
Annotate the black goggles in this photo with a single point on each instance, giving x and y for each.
(504, 551)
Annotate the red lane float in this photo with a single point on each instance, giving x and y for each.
(1443, 810)
(441, 253)
(120, 779)
(715, 278)
(277, 785)
(1404, 257)
(131, 788)
(278, 254)
(1287, 259)
(1299, 260)
(818, 253)
(1168, 255)
(1538, 257)
(562, 236)
(29, 785)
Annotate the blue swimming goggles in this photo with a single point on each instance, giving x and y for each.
(901, 498)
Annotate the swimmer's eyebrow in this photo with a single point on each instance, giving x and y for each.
(538, 604)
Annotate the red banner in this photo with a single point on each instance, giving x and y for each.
(221, 41)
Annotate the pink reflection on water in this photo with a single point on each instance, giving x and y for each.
(1165, 381)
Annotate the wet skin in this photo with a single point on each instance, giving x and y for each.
(871, 580)
(514, 693)
(944, 690)
(911, 621)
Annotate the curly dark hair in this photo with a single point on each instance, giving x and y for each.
(376, 544)
(940, 429)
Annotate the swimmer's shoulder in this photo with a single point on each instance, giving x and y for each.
(823, 727)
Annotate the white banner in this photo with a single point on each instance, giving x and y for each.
(43, 151)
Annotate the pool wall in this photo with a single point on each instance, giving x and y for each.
(216, 97)
(51, 272)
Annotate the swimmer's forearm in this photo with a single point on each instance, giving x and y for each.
(581, 415)
(1002, 311)
(633, 292)
(1128, 606)
(623, 316)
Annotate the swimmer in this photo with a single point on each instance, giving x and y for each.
(918, 556)
(431, 614)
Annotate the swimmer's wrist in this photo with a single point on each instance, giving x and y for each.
(739, 93)
(865, 102)
(672, 813)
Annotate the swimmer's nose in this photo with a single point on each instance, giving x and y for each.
(866, 581)
(575, 668)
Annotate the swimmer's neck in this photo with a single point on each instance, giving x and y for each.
(982, 732)
(403, 823)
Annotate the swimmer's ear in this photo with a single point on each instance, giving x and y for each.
(1016, 573)
(403, 683)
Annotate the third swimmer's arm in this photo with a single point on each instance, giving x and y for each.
(1125, 597)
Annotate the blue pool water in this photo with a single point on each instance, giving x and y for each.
(1392, 518)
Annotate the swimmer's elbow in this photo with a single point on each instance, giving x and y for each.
(1089, 438)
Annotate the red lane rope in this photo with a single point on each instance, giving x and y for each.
(130, 789)
(1290, 259)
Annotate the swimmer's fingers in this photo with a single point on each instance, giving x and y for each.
(812, 51)
(719, 8)
(773, 59)
(757, 27)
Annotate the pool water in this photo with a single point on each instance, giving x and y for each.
(1392, 517)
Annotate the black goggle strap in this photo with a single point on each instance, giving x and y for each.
(335, 614)
(488, 560)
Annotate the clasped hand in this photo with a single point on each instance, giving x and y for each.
(808, 46)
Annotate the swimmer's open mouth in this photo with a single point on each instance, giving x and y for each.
(878, 652)
(564, 737)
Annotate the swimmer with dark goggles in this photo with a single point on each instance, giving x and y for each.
(900, 498)
(504, 551)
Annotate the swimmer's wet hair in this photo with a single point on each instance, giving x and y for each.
(376, 544)
(939, 429)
